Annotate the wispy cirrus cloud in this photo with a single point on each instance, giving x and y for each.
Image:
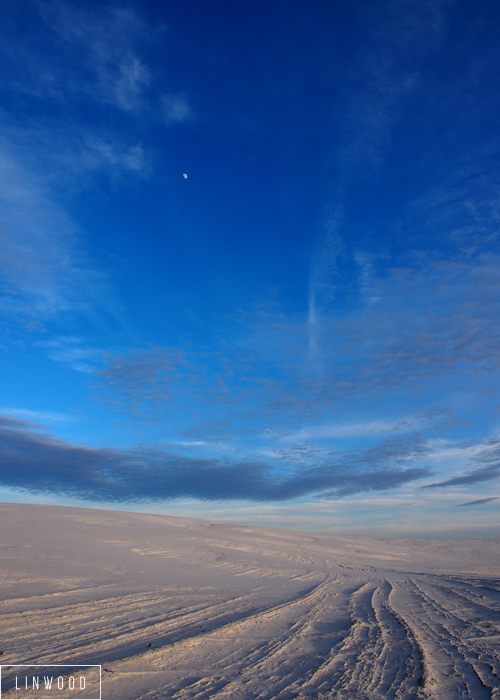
(176, 109)
(376, 427)
(104, 43)
(30, 416)
(72, 351)
(92, 55)
(462, 212)
(44, 269)
(100, 152)
(383, 74)
(434, 325)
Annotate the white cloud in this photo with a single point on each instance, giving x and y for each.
(44, 270)
(100, 153)
(176, 109)
(334, 430)
(100, 48)
(71, 351)
(25, 414)
(92, 55)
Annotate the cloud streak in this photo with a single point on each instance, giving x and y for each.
(71, 350)
(383, 74)
(478, 501)
(96, 56)
(488, 455)
(43, 267)
(40, 464)
(90, 55)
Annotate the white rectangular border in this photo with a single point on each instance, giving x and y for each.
(99, 666)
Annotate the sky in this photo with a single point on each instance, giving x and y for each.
(250, 262)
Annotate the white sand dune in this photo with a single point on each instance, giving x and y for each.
(247, 612)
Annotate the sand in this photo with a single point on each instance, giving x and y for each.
(181, 608)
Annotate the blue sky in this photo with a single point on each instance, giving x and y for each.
(304, 330)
